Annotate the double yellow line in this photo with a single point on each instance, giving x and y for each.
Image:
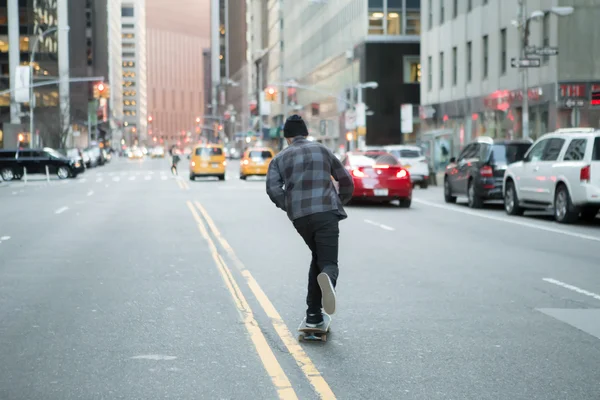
(183, 185)
(278, 377)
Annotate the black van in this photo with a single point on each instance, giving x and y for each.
(14, 162)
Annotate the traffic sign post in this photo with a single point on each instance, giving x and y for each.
(350, 120)
(525, 62)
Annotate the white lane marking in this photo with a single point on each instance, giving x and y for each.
(61, 210)
(514, 221)
(154, 357)
(148, 177)
(14, 192)
(4, 238)
(99, 180)
(382, 226)
(132, 178)
(91, 192)
(573, 288)
(116, 179)
(164, 178)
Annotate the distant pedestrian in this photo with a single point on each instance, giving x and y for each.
(299, 181)
(174, 161)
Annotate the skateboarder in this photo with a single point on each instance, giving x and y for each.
(299, 182)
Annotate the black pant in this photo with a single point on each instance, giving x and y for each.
(321, 233)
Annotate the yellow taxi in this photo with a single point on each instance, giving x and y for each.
(255, 162)
(207, 160)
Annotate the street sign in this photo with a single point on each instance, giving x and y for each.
(350, 120)
(541, 51)
(361, 117)
(525, 63)
(406, 118)
(22, 90)
(574, 103)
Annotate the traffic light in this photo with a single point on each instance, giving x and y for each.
(270, 94)
(21, 138)
(101, 90)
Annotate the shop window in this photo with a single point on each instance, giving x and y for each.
(24, 44)
(3, 44)
(412, 69)
(376, 23)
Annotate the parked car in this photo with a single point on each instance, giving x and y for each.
(379, 177)
(96, 155)
(14, 163)
(561, 172)
(478, 173)
(412, 158)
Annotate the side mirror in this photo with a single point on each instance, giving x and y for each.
(453, 159)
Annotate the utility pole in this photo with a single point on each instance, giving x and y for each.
(63, 66)
(14, 59)
(523, 42)
(215, 51)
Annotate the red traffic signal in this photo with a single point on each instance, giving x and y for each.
(101, 87)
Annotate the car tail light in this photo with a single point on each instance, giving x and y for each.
(486, 172)
(401, 174)
(585, 174)
(381, 166)
(358, 173)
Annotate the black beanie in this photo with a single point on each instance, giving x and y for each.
(294, 126)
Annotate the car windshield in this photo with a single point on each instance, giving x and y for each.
(53, 153)
(406, 153)
(596, 152)
(370, 159)
(260, 154)
(208, 151)
(508, 153)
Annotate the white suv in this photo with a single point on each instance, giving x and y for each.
(412, 158)
(561, 171)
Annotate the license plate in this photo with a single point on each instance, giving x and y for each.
(380, 192)
(215, 165)
(407, 166)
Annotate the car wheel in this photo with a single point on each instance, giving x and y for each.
(192, 177)
(448, 192)
(243, 177)
(7, 174)
(405, 203)
(474, 200)
(564, 210)
(222, 177)
(424, 185)
(63, 172)
(511, 201)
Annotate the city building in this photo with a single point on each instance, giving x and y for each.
(178, 35)
(332, 47)
(36, 18)
(471, 88)
(133, 61)
(114, 68)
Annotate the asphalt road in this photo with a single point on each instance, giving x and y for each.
(127, 283)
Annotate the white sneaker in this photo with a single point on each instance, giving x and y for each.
(328, 292)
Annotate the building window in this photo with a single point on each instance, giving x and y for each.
(441, 69)
(469, 61)
(429, 74)
(485, 57)
(412, 69)
(394, 22)
(469, 5)
(128, 54)
(128, 64)
(413, 23)
(129, 45)
(127, 12)
(454, 8)
(503, 51)
(128, 36)
(442, 8)
(127, 26)
(546, 35)
(375, 23)
(429, 14)
(454, 65)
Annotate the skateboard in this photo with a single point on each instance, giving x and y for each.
(314, 334)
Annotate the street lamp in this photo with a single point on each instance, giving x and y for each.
(522, 23)
(31, 92)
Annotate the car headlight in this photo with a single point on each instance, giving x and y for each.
(77, 164)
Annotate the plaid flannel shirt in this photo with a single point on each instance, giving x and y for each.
(299, 180)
